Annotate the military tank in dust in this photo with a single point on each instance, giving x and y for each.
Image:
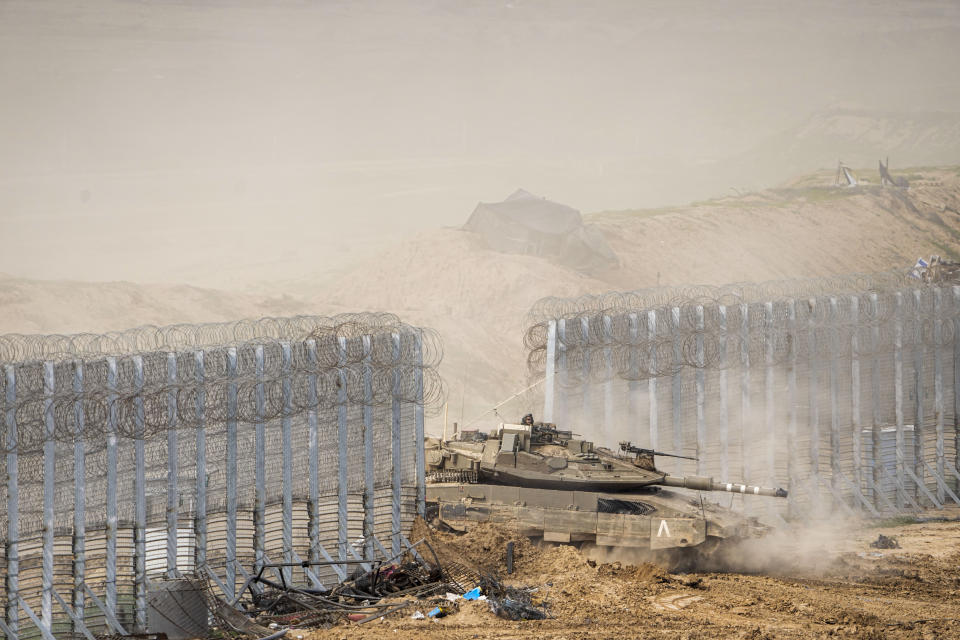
(557, 488)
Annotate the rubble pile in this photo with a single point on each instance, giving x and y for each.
(434, 578)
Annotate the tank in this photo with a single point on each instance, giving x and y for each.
(555, 487)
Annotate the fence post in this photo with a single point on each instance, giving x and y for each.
(876, 466)
(938, 387)
(200, 524)
(550, 371)
(633, 377)
(79, 495)
(561, 376)
(814, 407)
(260, 464)
(49, 485)
(173, 496)
(586, 385)
(110, 596)
(677, 386)
(792, 463)
(231, 472)
(286, 437)
(140, 497)
(418, 425)
(652, 380)
(746, 410)
(13, 502)
(607, 378)
(313, 451)
(898, 397)
(918, 426)
(342, 459)
(855, 419)
(701, 395)
(769, 407)
(835, 469)
(369, 524)
(396, 458)
(724, 425)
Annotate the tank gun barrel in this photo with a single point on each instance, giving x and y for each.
(704, 483)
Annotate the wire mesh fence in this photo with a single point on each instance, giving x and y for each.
(844, 388)
(202, 448)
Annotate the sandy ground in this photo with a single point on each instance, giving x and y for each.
(844, 589)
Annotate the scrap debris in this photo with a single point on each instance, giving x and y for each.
(936, 270)
(267, 607)
(885, 542)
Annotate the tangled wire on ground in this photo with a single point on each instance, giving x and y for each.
(145, 381)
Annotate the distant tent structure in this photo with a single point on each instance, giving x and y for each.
(528, 224)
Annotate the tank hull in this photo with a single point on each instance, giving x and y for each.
(653, 519)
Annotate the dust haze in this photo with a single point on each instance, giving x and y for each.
(231, 144)
(209, 161)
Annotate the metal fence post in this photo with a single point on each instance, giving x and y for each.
(585, 384)
(855, 419)
(231, 472)
(652, 380)
(110, 596)
(260, 462)
(369, 485)
(677, 386)
(173, 495)
(286, 436)
(313, 451)
(342, 459)
(561, 376)
(835, 469)
(724, 422)
(13, 501)
(49, 485)
(938, 386)
(79, 495)
(701, 395)
(814, 407)
(876, 466)
(607, 378)
(418, 425)
(396, 458)
(200, 523)
(898, 396)
(549, 377)
(633, 375)
(956, 379)
(792, 463)
(140, 497)
(918, 426)
(768, 402)
(746, 409)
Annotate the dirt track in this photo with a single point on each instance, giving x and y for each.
(858, 592)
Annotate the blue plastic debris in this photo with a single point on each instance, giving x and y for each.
(473, 594)
(437, 611)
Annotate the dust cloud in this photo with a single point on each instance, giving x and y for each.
(234, 143)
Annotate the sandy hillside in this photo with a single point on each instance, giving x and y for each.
(477, 299)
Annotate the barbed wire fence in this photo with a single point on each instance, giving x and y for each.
(203, 448)
(846, 387)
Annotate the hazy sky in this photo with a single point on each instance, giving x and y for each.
(150, 140)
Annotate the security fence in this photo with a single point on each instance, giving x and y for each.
(846, 389)
(212, 449)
